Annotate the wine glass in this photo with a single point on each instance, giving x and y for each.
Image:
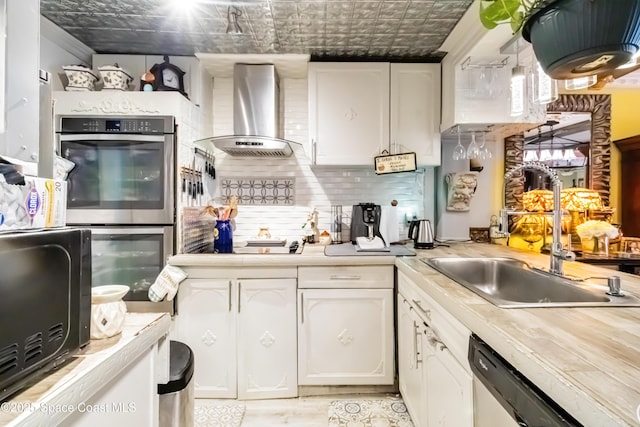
(459, 153)
(484, 151)
(473, 152)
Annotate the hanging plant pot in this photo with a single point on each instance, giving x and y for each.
(576, 38)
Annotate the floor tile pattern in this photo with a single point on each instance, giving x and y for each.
(389, 412)
(228, 414)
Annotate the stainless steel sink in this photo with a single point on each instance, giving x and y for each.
(510, 283)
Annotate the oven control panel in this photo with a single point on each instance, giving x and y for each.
(147, 125)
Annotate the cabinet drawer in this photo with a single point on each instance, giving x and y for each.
(346, 277)
(449, 329)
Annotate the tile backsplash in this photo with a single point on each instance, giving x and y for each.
(313, 187)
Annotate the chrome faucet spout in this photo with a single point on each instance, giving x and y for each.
(558, 253)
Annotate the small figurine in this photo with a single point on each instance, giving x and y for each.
(312, 234)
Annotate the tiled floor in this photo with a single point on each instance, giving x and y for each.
(298, 412)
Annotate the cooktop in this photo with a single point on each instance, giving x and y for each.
(289, 248)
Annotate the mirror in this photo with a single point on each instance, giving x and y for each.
(598, 151)
(562, 143)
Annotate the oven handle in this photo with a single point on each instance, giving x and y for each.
(112, 137)
(128, 230)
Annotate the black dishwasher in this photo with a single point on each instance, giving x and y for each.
(525, 402)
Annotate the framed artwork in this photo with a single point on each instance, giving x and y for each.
(631, 245)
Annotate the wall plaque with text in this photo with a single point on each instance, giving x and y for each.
(393, 163)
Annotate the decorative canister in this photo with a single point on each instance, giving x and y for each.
(80, 78)
(114, 77)
(223, 237)
(107, 310)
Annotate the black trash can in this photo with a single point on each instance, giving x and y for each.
(176, 396)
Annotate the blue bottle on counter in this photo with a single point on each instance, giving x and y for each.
(223, 240)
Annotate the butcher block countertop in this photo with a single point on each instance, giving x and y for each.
(586, 359)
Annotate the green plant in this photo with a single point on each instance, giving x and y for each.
(515, 12)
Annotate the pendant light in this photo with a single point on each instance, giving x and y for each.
(544, 88)
(233, 27)
(580, 82)
(517, 86)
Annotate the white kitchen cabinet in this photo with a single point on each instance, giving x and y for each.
(348, 112)
(267, 365)
(20, 97)
(356, 110)
(206, 323)
(449, 387)
(435, 379)
(243, 334)
(415, 111)
(345, 325)
(411, 384)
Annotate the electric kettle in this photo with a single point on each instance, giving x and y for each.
(421, 233)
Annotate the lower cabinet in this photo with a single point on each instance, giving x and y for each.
(345, 325)
(434, 378)
(243, 334)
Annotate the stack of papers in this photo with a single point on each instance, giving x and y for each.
(376, 245)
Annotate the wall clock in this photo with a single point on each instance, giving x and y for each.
(168, 77)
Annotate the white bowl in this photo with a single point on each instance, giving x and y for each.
(108, 293)
(80, 78)
(115, 78)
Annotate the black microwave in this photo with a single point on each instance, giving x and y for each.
(45, 295)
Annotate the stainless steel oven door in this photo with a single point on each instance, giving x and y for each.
(132, 256)
(120, 179)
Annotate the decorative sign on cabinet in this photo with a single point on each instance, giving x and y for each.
(356, 110)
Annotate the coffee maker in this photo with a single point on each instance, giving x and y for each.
(365, 221)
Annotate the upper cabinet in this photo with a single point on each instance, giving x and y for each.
(476, 76)
(415, 111)
(357, 110)
(348, 112)
(18, 125)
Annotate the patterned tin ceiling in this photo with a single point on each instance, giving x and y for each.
(406, 29)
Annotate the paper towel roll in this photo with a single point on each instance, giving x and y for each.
(389, 229)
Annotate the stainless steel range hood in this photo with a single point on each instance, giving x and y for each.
(256, 102)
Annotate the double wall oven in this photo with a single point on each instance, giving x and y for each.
(122, 187)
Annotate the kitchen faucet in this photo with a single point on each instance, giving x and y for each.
(558, 253)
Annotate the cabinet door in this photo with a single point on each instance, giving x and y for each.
(415, 111)
(348, 112)
(267, 364)
(412, 387)
(449, 388)
(206, 323)
(345, 336)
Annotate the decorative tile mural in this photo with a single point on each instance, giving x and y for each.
(260, 191)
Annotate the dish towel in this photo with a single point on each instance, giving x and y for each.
(363, 244)
(166, 283)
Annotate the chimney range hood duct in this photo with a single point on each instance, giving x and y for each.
(255, 115)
